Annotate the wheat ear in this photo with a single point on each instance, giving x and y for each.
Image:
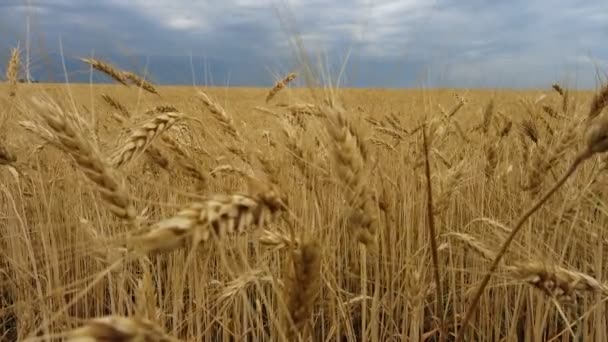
(12, 70)
(140, 82)
(350, 155)
(112, 102)
(303, 286)
(107, 69)
(88, 158)
(220, 115)
(217, 216)
(119, 328)
(142, 137)
(279, 86)
(557, 282)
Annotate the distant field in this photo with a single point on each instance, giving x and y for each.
(100, 208)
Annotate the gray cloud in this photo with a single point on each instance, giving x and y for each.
(463, 43)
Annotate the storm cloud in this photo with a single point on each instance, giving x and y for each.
(468, 43)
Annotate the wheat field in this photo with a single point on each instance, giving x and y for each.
(134, 212)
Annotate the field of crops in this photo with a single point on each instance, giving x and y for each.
(133, 212)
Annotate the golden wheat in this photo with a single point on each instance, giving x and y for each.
(143, 136)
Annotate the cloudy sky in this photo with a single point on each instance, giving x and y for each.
(389, 43)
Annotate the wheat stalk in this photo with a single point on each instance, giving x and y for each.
(116, 105)
(280, 85)
(557, 282)
(217, 216)
(142, 137)
(107, 69)
(220, 115)
(350, 155)
(12, 70)
(277, 240)
(303, 285)
(93, 165)
(140, 82)
(596, 141)
(161, 109)
(119, 328)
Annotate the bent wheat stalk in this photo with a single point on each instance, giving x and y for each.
(279, 86)
(596, 142)
(107, 69)
(432, 232)
(140, 82)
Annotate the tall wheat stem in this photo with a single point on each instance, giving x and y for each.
(431, 218)
(578, 161)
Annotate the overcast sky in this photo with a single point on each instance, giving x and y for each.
(468, 43)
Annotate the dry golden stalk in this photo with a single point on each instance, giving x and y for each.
(142, 137)
(529, 129)
(506, 128)
(550, 130)
(161, 109)
(116, 105)
(186, 161)
(488, 113)
(268, 112)
(432, 233)
(88, 158)
(140, 82)
(119, 329)
(277, 240)
(475, 244)
(558, 89)
(303, 286)
(304, 109)
(460, 131)
(240, 152)
(544, 161)
(350, 155)
(596, 142)
(217, 216)
(390, 132)
(220, 115)
(557, 282)
(242, 282)
(491, 161)
(384, 144)
(550, 111)
(444, 160)
(461, 103)
(12, 70)
(349, 151)
(228, 169)
(394, 121)
(448, 188)
(295, 147)
(600, 101)
(596, 138)
(280, 85)
(107, 69)
(269, 166)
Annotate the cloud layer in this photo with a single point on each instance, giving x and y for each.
(468, 43)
